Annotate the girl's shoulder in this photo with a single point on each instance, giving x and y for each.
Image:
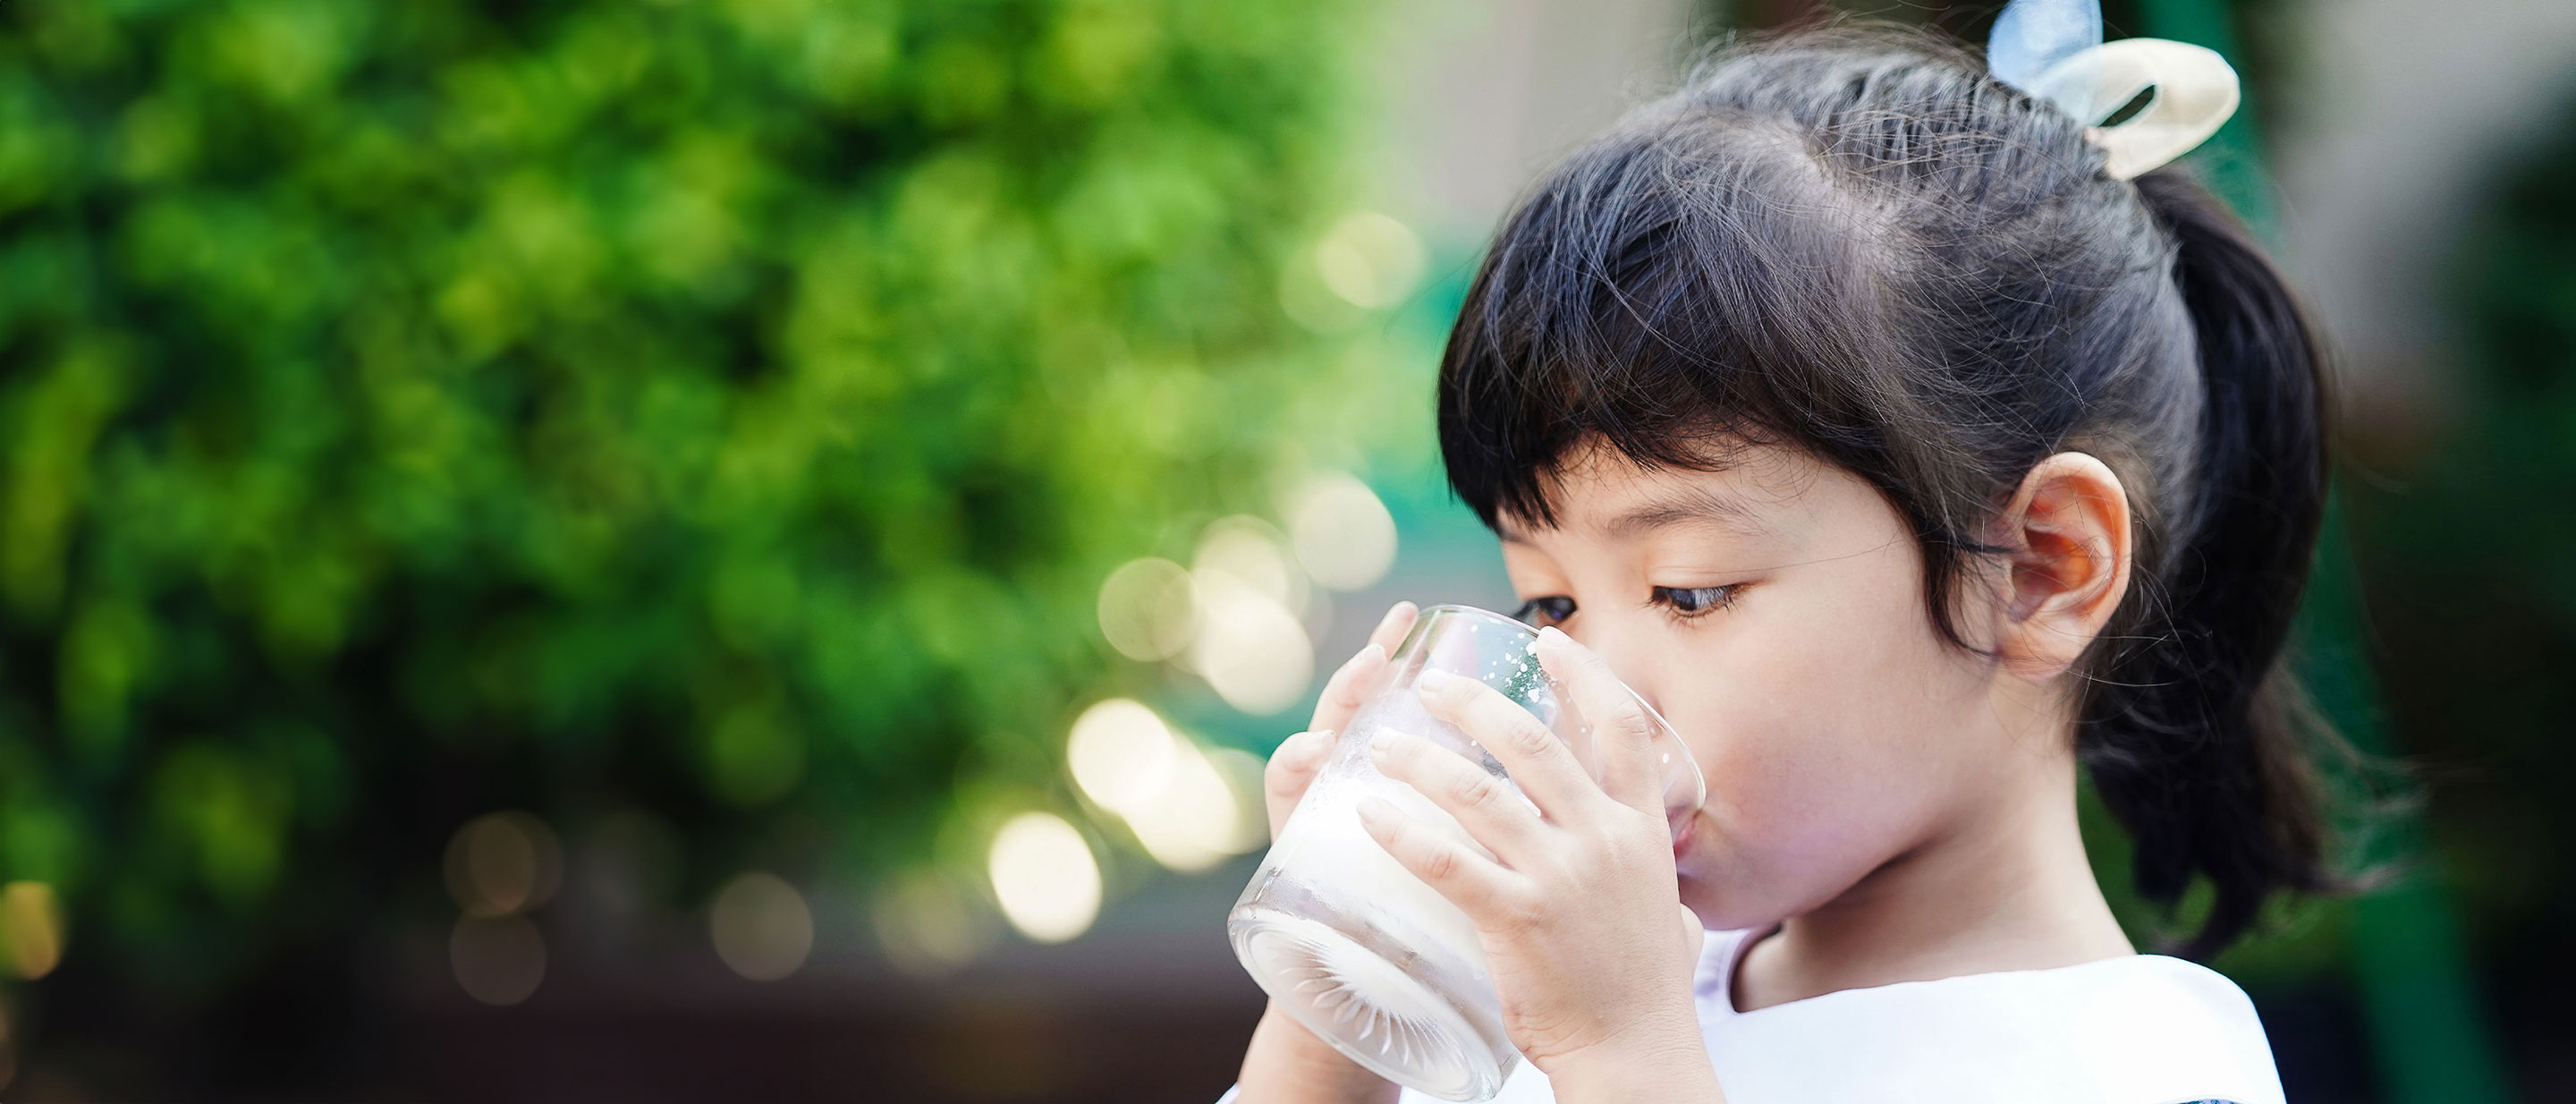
(2139, 1029)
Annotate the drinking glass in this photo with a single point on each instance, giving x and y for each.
(1351, 944)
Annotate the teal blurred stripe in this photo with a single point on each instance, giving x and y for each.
(2429, 1034)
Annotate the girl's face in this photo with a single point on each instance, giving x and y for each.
(1773, 612)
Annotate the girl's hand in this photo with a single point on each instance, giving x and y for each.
(1297, 759)
(1286, 1062)
(1578, 909)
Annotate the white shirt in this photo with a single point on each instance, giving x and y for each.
(2142, 1029)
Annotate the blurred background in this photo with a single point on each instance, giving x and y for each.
(751, 550)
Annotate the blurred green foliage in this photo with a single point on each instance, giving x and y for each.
(2470, 551)
(728, 407)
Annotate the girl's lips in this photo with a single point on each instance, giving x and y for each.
(1684, 833)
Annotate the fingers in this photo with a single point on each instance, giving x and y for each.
(1347, 690)
(1293, 766)
(1487, 807)
(1469, 880)
(1349, 687)
(1623, 730)
(1541, 764)
(1392, 627)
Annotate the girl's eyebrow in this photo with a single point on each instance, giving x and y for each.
(1692, 506)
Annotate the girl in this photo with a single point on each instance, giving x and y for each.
(1847, 408)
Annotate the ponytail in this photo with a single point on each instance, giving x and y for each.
(2196, 735)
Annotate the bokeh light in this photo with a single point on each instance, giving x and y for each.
(1341, 530)
(927, 926)
(1045, 877)
(762, 927)
(1251, 647)
(1193, 822)
(498, 959)
(502, 863)
(31, 921)
(1146, 609)
(1370, 259)
(1184, 808)
(1121, 754)
(1252, 552)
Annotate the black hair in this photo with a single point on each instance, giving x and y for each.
(1858, 243)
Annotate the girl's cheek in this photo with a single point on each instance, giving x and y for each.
(1788, 762)
(1822, 736)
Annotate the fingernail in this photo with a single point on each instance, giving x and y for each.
(1375, 811)
(1552, 636)
(1380, 747)
(1435, 679)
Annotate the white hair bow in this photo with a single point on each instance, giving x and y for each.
(2053, 49)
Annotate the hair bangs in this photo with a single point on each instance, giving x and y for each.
(1677, 291)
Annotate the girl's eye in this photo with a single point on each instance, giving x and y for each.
(1693, 601)
(1539, 613)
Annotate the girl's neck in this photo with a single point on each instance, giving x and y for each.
(2005, 886)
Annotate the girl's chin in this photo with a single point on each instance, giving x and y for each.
(1696, 863)
(1703, 904)
(1690, 859)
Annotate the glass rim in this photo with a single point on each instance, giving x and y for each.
(1480, 613)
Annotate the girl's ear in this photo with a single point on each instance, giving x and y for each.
(2066, 540)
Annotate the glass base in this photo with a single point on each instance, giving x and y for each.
(1366, 1007)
